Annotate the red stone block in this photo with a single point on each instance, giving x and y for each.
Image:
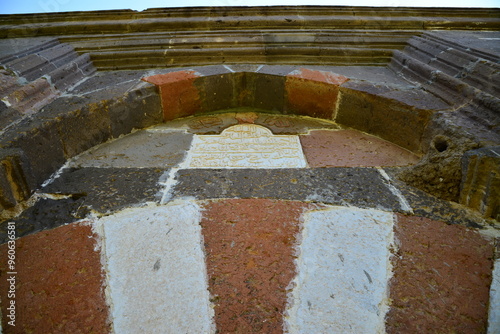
(350, 148)
(312, 93)
(59, 283)
(179, 95)
(442, 275)
(249, 245)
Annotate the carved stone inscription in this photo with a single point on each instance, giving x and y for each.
(246, 146)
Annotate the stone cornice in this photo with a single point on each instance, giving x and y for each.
(279, 17)
(313, 35)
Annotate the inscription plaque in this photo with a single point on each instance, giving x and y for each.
(246, 146)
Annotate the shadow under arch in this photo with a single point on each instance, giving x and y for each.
(314, 93)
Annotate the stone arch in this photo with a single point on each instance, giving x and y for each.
(362, 203)
(301, 91)
(438, 84)
(38, 146)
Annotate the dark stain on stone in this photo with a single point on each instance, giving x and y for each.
(157, 265)
(368, 276)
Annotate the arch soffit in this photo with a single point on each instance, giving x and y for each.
(303, 92)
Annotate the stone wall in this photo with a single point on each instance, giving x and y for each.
(117, 146)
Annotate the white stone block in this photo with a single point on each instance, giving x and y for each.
(155, 267)
(494, 312)
(246, 146)
(343, 272)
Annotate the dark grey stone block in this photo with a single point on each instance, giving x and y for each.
(361, 187)
(46, 214)
(137, 109)
(217, 92)
(40, 141)
(269, 91)
(108, 189)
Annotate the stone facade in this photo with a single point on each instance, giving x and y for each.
(253, 170)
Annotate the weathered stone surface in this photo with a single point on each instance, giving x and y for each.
(318, 76)
(263, 91)
(215, 123)
(8, 116)
(69, 74)
(58, 285)
(246, 146)
(8, 83)
(179, 96)
(280, 70)
(278, 35)
(439, 170)
(441, 281)
(108, 189)
(362, 187)
(310, 98)
(47, 214)
(462, 65)
(40, 141)
(19, 45)
(417, 98)
(136, 109)
(217, 92)
(16, 178)
(250, 261)
(7, 191)
(154, 255)
(390, 119)
(81, 122)
(461, 69)
(203, 124)
(343, 269)
(426, 205)
(349, 148)
(371, 75)
(102, 85)
(31, 66)
(281, 124)
(84, 128)
(214, 70)
(480, 187)
(32, 96)
(146, 149)
(129, 102)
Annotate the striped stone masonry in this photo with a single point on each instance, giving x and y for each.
(250, 170)
(331, 244)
